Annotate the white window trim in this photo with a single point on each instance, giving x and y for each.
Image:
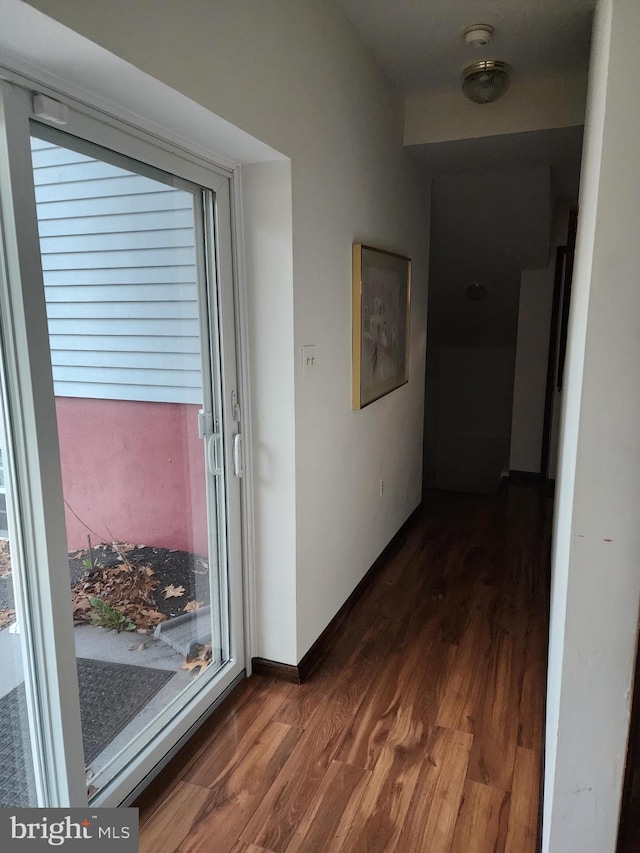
(193, 168)
(53, 705)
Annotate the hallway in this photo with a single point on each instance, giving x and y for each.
(420, 731)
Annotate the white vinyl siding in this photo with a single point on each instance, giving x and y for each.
(118, 261)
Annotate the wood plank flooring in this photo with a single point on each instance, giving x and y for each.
(420, 731)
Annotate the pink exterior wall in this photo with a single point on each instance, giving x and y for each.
(133, 472)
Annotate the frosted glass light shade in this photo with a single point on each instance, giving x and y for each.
(486, 81)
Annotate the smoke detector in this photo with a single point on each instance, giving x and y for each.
(478, 35)
(486, 81)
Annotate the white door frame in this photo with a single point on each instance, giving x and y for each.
(51, 680)
(31, 386)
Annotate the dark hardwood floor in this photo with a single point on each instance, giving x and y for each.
(420, 731)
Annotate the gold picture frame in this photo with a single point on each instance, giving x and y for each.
(381, 320)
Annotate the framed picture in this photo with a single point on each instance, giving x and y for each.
(381, 311)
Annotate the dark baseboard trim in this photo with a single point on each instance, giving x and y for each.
(274, 669)
(318, 651)
(526, 476)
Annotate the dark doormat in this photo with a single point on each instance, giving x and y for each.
(111, 695)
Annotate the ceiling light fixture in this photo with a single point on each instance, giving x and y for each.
(486, 81)
(478, 35)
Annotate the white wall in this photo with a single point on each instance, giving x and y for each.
(474, 417)
(266, 198)
(532, 349)
(530, 105)
(596, 583)
(298, 78)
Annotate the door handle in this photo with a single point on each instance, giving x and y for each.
(238, 468)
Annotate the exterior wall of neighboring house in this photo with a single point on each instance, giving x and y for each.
(120, 283)
(152, 496)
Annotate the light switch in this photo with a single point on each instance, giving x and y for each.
(308, 357)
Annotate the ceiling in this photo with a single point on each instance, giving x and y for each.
(419, 42)
(491, 211)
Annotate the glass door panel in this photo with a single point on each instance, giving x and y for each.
(137, 391)
(18, 738)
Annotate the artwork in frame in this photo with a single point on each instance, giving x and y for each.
(381, 312)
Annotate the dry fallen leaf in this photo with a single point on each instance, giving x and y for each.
(7, 616)
(127, 588)
(195, 663)
(5, 558)
(192, 605)
(153, 616)
(172, 591)
(200, 660)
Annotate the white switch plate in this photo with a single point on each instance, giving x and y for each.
(309, 358)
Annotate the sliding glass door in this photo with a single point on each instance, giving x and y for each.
(134, 279)
(18, 709)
